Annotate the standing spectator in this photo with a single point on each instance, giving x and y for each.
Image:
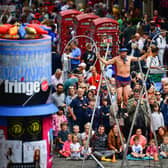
(75, 56)
(58, 97)
(105, 114)
(142, 116)
(57, 119)
(89, 57)
(127, 33)
(79, 105)
(66, 62)
(157, 117)
(100, 146)
(161, 44)
(140, 41)
(57, 78)
(164, 109)
(71, 81)
(155, 68)
(95, 78)
(105, 95)
(68, 100)
(114, 141)
(89, 113)
(159, 99)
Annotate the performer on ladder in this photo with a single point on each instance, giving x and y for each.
(123, 79)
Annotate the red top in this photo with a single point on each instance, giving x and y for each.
(94, 80)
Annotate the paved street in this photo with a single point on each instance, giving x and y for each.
(62, 163)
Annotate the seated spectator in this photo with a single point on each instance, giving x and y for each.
(151, 150)
(62, 135)
(137, 150)
(161, 133)
(114, 141)
(86, 152)
(85, 134)
(164, 147)
(141, 139)
(66, 147)
(100, 146)
(75, 148)
(76, 132)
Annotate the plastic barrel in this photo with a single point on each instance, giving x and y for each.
(25, 71)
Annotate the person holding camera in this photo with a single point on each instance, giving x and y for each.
(164, 110)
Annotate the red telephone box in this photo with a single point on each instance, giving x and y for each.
(103, 30)
(82, 27)
(65, 27)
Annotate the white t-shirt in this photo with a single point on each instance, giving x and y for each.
(137, 148)
(75, 147)
(154, 63)
(158, 120)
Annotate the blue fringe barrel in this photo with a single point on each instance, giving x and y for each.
(25, 71)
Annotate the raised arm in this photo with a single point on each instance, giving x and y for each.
(141, 58)
(111, 61)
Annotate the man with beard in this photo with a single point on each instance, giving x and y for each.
(58, 97)
(123, 63)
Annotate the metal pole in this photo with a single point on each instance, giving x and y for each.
(108, 88)
(95, 106)
(134, 117)
(150, 113)
(97, 161)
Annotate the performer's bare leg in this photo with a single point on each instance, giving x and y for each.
(119, 99)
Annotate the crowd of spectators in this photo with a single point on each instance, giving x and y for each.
(75, 85)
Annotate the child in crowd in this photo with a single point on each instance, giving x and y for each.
(62, 135)
(164, 147)
(84, 151)
(151, 150)
(105, 114)
(57, 119)
(85, 134)
(66, 152)
(157, 117)
(137, 149)
(75, 148)
(76, 132)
